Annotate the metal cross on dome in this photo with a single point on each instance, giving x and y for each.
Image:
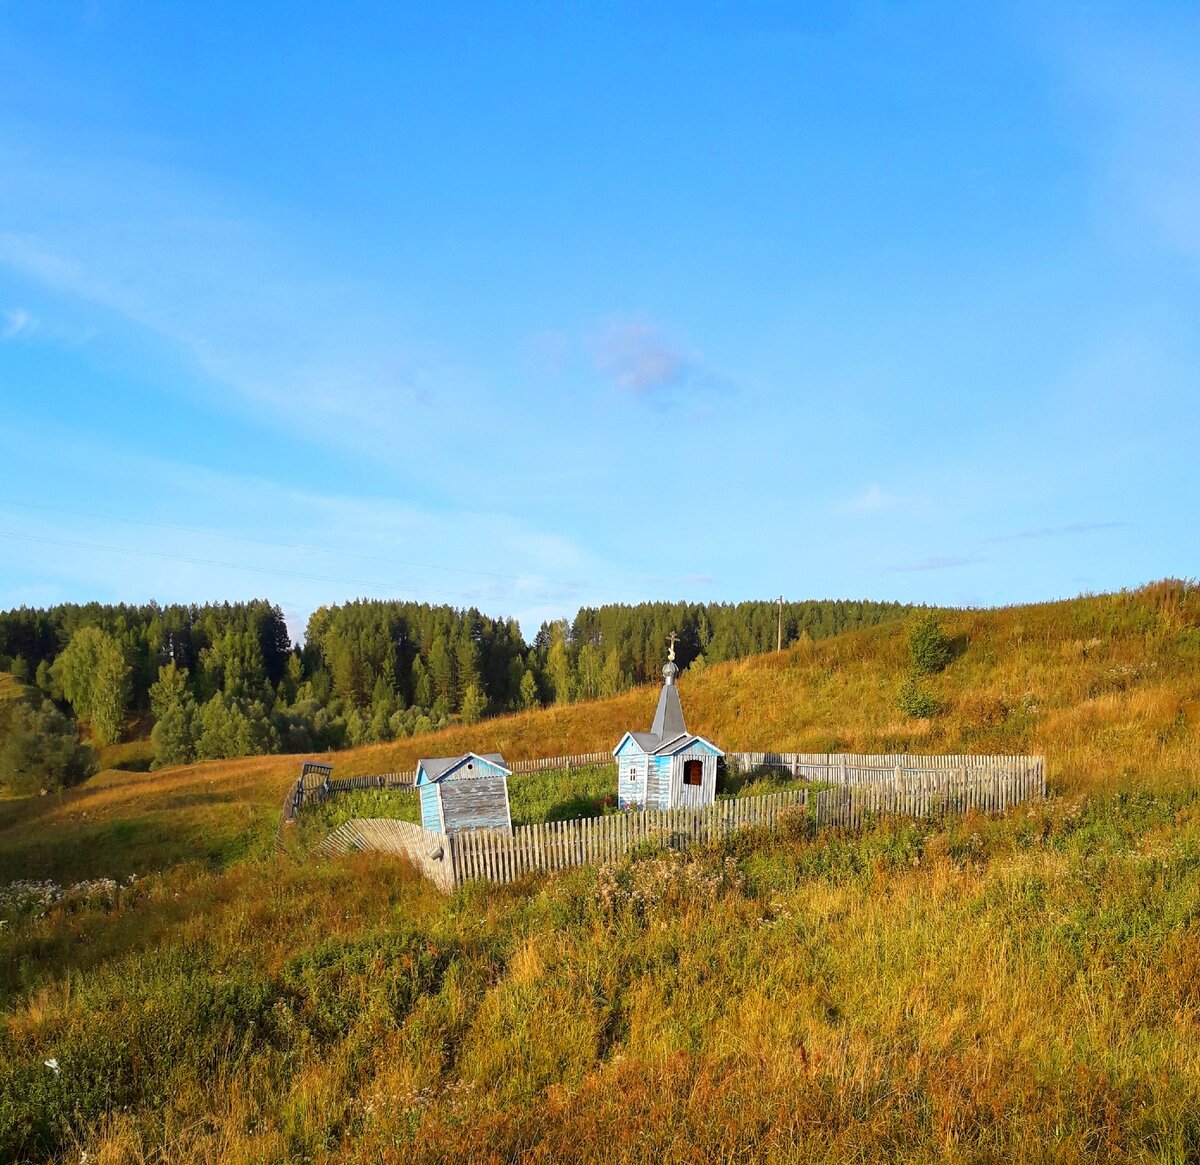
(671, 649)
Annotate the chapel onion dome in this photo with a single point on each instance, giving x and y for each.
(670, 671)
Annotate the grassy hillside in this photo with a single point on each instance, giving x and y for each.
(1009, 989)
(1107, 687)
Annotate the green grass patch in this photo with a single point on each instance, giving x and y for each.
(562, 794)
(317, 821)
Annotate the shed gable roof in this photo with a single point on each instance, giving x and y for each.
(683, 743)
(431, 770)
(645, 742)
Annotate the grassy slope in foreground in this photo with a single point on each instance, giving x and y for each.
(984, 990)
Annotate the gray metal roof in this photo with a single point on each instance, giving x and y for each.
(438, 766)
(647, 741)
(668, 719)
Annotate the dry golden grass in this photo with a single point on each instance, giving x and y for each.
(1015, 989)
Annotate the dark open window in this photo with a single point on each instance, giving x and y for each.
(693, 772)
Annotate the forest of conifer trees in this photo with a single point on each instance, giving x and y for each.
(222, 680)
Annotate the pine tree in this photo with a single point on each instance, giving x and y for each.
(474, 704)
(612, 678)
(466, 659)
(422, 685)
(588, 671)
(174, 711)
(529, 691)
(558, 667)
(293, 676)
(441, 670)
(172, 735)
(215, 731)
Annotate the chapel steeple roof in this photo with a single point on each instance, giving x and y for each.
(668, 718)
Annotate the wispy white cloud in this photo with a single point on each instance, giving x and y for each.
(301, 546)
(642, 361)
(638, 357)
(134, 244)
(871, 501)
(1057, 531)
(15, 322)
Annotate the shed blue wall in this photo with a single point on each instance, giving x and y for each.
(631, 775)
(430, 818)
(694, 796)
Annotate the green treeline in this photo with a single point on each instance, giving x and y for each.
(224, 680)
(236, 647)
(707, 632)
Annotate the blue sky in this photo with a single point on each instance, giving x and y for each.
(532, 306)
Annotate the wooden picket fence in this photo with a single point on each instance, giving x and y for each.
(577, 761)
(498, 856)
(426, 850)
(373, 781)
(851, 768)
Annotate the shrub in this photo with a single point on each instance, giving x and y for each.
(929, 649)
(40, 749)
(916, 700)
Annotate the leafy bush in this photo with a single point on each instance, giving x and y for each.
(928, 647)
(916, 700)
(40, 749)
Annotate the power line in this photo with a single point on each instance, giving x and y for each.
(536, 579)
(287, 545)
(232, 565)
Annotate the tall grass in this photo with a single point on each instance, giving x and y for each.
(1023, 988)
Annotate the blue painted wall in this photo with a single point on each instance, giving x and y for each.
(429, 808)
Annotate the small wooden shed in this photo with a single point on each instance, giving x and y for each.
(464, 792)
(668, 766)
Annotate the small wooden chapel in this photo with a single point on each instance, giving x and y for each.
(666, 767)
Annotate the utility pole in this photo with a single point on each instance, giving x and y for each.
(779, 627)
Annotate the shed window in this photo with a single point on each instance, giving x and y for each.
(693, 772)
